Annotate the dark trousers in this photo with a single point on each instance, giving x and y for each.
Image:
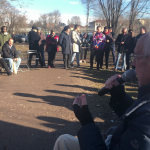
(99, 58)
(42, 57)
(83, 52)
(107, 50)
(38, 55)
(112, 48)
(128, 60)
(67, 60)
(4, 64)
(51, 57)
(93, 54)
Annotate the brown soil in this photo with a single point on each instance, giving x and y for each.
(36, 105)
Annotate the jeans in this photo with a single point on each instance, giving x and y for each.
(77, 57)
(42, 57)
(123, 60)
(83, 52)
(10, 61)
(112, 48)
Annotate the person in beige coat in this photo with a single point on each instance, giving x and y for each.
(75, 43)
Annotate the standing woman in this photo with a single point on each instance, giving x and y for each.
(84, 47)
(52, 48)
(41, 46)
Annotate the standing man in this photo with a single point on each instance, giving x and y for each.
(142, 32)
(99, 41)
(76, 42)
(120, 41)
(65, 43)
(4, 36)
(33, 45)
(129, 46)
(109, 39)
(112, 45)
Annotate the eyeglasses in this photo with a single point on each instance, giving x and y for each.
(133, 57)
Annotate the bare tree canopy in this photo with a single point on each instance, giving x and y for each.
(75, 20)
(89, 5)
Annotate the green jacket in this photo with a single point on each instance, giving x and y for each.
(4, 39)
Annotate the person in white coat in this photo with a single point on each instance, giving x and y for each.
(75, 43)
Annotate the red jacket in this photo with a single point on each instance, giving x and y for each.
(50, 42)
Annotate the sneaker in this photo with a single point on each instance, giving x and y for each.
(84, 61)
(78, 66)
(80, 61)
(115, 69)
(9, 73)
(53, 66)
(49, 67)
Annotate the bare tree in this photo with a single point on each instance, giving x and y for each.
(76, 20)
(43, 19)
(89, 6)
(137, 9)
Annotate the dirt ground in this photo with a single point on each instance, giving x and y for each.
(36, 105)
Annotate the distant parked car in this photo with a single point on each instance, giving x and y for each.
(27, 39)
(19, 38)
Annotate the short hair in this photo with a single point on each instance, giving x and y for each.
(10, 39)
(76, 26)
(52, 30)
(124, 29)
(66, 28)
(3, 28)
(98, 27)
(143, 27)
(106, 27)
(110, 28)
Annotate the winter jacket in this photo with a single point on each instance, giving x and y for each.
(108, 37)
(50, 40)
(65, 43)
(114, 37)
(133, 133)
(99, 40)
(33, 40)
(130, 44)
(9, 53)
(75, 41)
(42, 41)
(138, 37)
(84, 42)
(121, 38)
(4, 39)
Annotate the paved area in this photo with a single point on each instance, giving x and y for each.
(36, 106)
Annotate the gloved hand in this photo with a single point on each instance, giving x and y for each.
(81, 110)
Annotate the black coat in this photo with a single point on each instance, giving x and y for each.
(114, 37)
(130, 44)
(9, 53)
(33, 40)
(121, 38)
(65, 43)
(133, 133)
(138, 37)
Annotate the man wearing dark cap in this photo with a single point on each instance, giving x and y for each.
(129, 46)
(33, 45)
(65, 43)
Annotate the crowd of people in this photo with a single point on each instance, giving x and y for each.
(73, 44)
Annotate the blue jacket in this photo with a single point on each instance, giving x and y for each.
(133, 133)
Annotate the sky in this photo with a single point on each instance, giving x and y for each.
(67, 8)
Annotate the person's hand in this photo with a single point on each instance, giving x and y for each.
(15, 59)
(122, 43)
(81, 110)
(114, 40)
(107, 41)
(112, 81)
